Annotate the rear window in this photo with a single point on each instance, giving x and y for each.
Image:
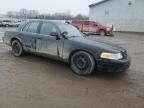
(26, 27)
(20, 27)
(86, 22)
(31, 27)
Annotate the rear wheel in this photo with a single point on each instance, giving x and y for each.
(17, 48)
(82, 63)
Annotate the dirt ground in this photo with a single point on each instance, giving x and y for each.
(38, 82)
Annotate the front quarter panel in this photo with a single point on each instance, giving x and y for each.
(71, 46)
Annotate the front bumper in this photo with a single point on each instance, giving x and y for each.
(113, 65)
(109, 33)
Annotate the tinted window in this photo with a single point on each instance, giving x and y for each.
(71, 30)
(47, 28)
(77, 22)
(86, 22)
(33, 27)
(26, 27)
(93, 23)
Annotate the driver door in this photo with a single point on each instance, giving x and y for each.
(45, 43)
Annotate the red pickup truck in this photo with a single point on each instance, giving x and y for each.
(93, 27)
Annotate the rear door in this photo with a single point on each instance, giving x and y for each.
(92, 27)
(28, 34)
(45, 43)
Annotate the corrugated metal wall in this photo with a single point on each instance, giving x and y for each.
(124, 15)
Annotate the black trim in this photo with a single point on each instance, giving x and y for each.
(97, 3)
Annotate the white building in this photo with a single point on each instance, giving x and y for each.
(125, 15)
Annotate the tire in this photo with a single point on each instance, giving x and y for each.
(82, 63)
(17, 48)
(102, 33)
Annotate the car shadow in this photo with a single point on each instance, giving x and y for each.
(109, 75)
(64, 67)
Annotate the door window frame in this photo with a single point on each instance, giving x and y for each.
(29, 23)
(40, 26)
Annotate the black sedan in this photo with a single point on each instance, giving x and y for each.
(64, 42)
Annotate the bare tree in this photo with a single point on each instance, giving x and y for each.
(34, 14)
(10, 14)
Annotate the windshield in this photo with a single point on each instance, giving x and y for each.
(71, 30)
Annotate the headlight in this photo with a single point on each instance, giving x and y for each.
(108, 29)
(112, 56)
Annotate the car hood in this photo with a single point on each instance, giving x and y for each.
(107, 46)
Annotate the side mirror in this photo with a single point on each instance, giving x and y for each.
(65, 34)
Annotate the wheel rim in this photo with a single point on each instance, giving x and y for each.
(102, 33)
(16, 48)
(81, 62)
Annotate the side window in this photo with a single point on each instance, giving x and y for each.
(33, 27)
(76, 22)
(86, 23)
(92, 23)
(47, 28)
(26, 27)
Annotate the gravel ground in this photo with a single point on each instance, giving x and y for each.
(34, 82)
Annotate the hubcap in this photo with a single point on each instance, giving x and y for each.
(81, 62)
(16, 48)
(102, 33)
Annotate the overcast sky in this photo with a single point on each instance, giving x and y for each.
(47, 6)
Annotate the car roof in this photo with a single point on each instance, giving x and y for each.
(50, 21)
(39, 20)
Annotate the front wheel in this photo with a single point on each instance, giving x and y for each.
(82, 63)
(102, 33)
(17, 48)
